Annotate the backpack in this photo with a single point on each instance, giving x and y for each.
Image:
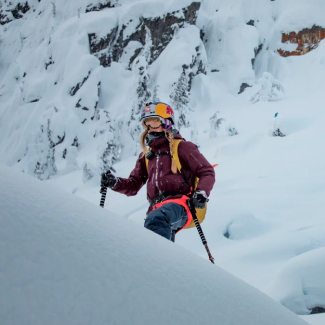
(200, 212)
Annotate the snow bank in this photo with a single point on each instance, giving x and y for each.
(299, 285)
(65, 261)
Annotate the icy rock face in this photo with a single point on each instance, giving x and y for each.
(160, 30)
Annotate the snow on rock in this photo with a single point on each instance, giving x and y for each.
(74, 63)
(299, 285)
(244, 227)
(65, 261)
(137, 28)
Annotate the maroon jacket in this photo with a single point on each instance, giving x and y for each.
(159, 177)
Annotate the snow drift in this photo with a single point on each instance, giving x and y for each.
(65, 261)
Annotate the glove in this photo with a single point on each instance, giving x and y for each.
(199, 199)
(108, 180)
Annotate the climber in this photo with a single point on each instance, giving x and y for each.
(169, 165)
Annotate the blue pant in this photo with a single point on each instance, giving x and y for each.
(166, 220)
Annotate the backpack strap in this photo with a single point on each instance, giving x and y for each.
(175, 157)
(147, 163)
(174, 153)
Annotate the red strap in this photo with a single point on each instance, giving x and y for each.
(181, 201)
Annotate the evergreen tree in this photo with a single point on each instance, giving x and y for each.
(180, 98)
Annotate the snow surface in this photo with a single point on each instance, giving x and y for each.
(265, 221)
(66, 261)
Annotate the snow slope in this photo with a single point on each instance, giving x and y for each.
(265, 221)
(66, 261)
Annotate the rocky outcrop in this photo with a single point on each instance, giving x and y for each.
(17, 12)
(159, 30)
(101, 5)
(317, 310)
(75, 88)
(306, 40)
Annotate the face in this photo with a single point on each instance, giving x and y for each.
(153, 124)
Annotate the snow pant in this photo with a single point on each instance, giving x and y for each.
(166, 220)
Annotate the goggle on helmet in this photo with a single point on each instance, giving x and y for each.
(161, 110)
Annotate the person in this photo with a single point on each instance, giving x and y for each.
(168, 189)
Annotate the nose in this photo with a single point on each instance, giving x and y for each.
(153, 127)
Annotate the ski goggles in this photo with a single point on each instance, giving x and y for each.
(152, 122)
(155, 122)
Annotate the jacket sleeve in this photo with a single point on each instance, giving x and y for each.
(191, 158)
(138, 177)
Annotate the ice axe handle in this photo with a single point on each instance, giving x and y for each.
(103, 190)
(200, 231)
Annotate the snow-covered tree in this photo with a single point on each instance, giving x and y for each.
(180, 98)
(44, 148)
(215, 122)
(269, 89)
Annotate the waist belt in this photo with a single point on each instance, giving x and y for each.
(158, 199)
(162, 197)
